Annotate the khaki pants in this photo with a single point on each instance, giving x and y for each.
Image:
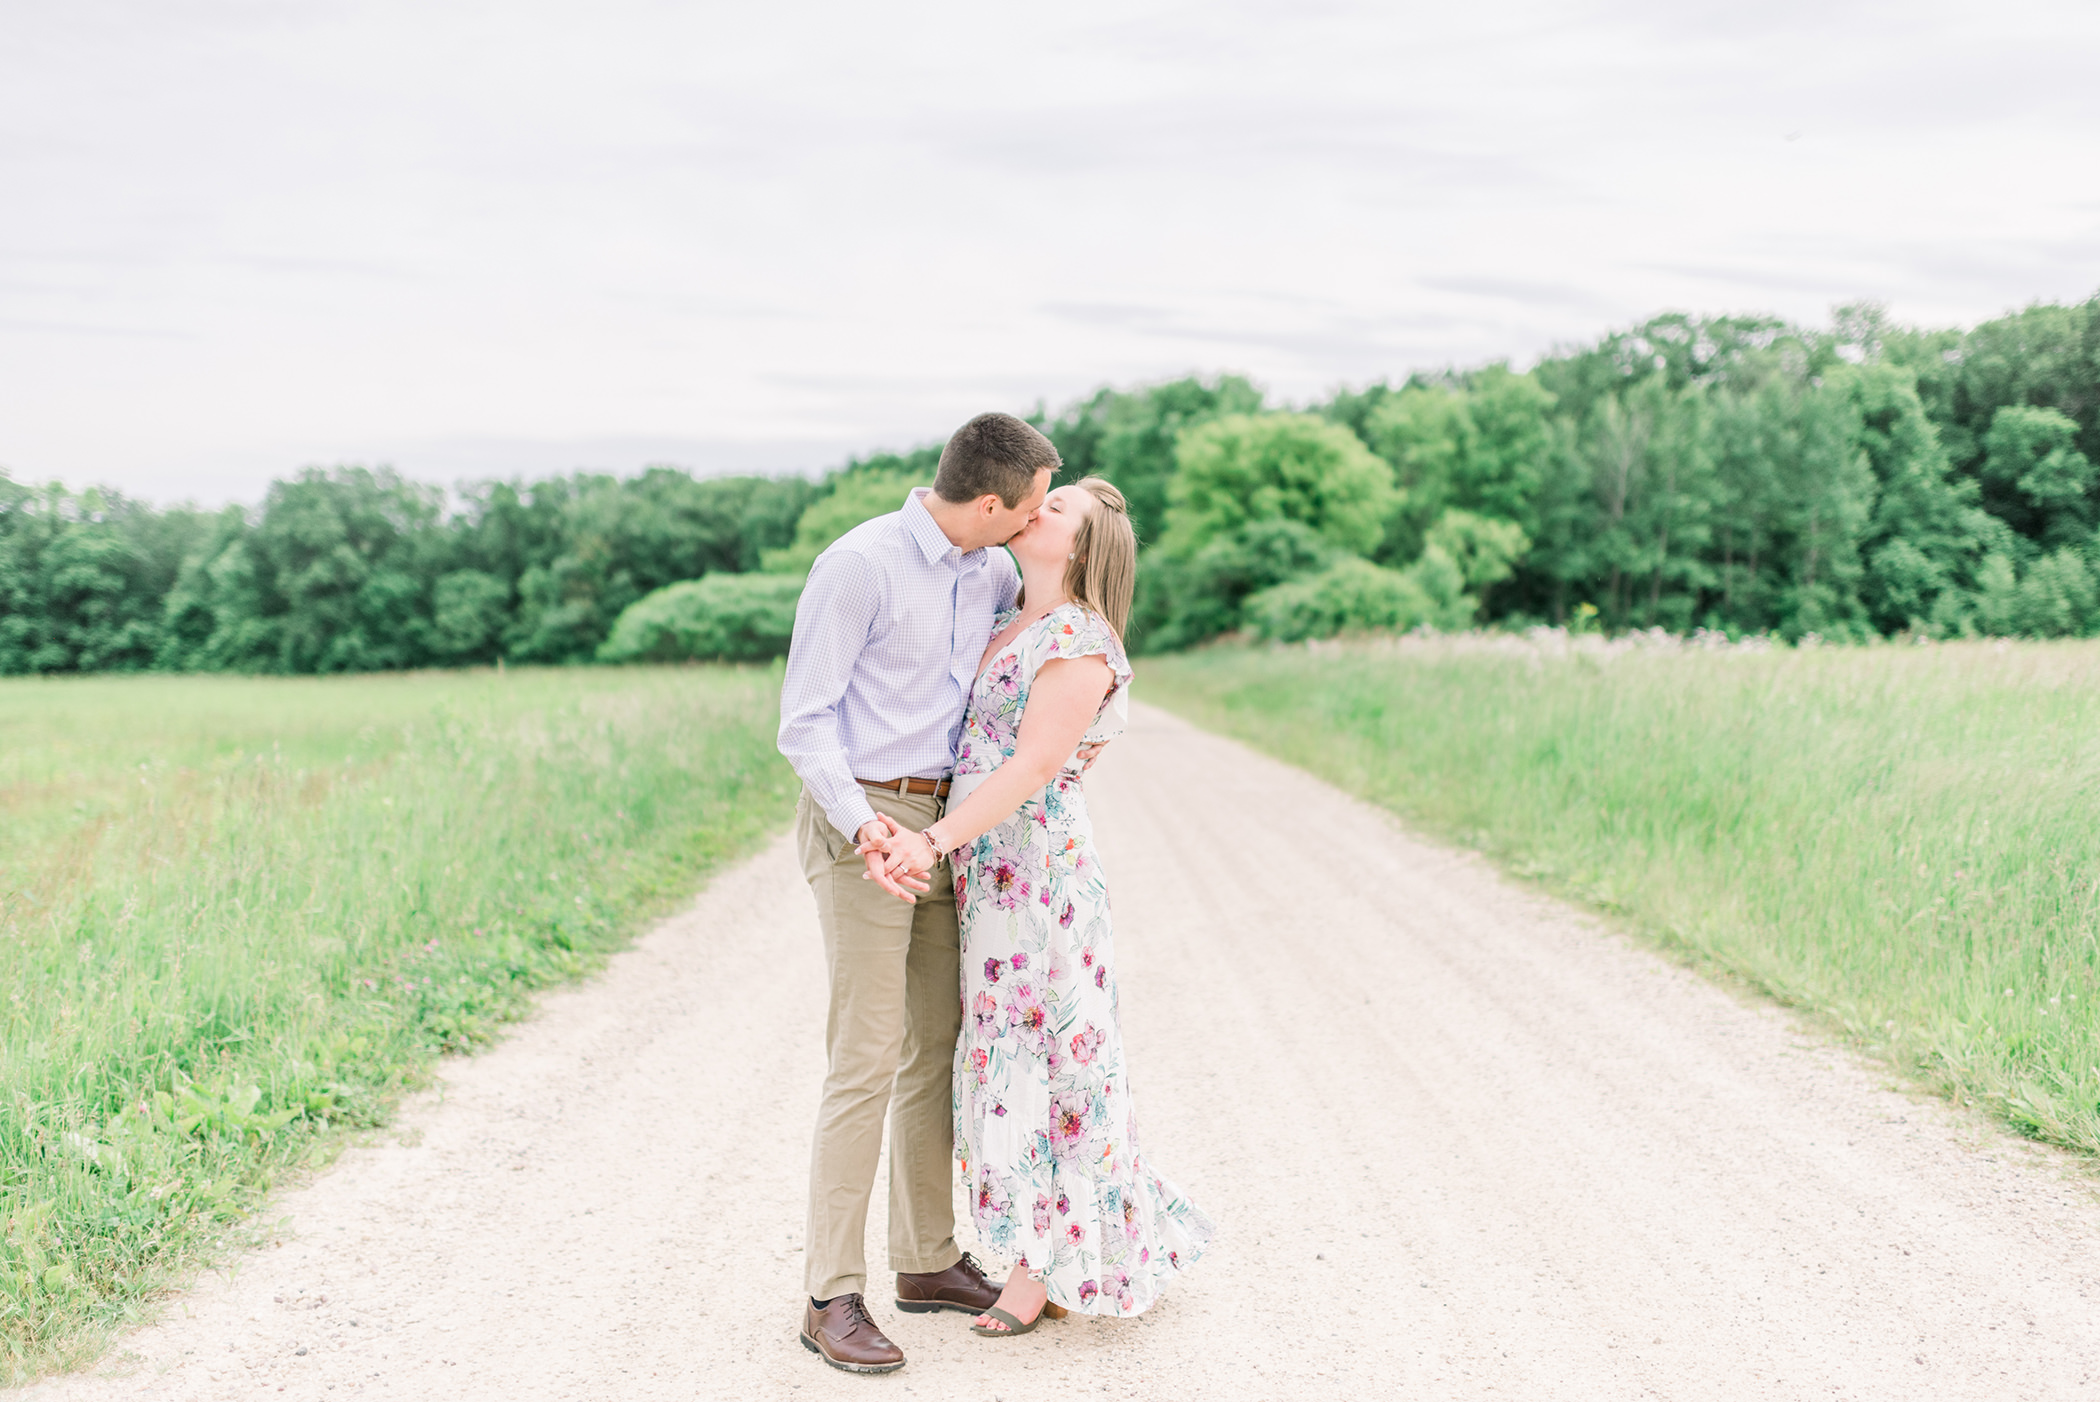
(896, 1011)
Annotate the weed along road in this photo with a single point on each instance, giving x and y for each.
(1459, 1141)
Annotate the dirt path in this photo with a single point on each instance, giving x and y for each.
(1458, 1140)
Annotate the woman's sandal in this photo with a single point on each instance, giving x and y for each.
(1015, 1326)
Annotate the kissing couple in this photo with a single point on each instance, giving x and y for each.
(943, 698)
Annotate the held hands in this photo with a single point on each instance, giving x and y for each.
(898, 859)
(885, 871)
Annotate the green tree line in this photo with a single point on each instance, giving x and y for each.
(1736, 473)
(356, 569)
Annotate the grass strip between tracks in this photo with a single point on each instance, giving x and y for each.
(240, 916)
(1904, 840)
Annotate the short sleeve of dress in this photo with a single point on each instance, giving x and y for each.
(1073, 631)
(1113, 720)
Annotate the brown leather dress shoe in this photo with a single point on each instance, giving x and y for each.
(846, 1338)
(961, 1287)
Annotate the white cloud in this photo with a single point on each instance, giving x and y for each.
(241, 237)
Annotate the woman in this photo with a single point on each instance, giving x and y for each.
(1044, 1124)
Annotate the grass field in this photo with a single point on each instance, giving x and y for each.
(1905, 840)
(240, 916)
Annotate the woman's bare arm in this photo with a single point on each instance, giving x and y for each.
(1062, 704)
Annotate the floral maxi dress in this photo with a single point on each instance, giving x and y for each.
(1045, 1129)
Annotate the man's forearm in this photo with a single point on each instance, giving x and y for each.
(831, 625)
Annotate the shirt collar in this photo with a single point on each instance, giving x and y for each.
(931, 540)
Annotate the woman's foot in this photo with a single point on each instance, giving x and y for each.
(1024, 1298)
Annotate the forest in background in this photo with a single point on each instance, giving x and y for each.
(1741, 474)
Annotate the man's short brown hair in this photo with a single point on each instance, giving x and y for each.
(996, 454)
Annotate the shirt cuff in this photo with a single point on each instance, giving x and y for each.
(853, 814)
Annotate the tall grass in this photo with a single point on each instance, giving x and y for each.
(238, 916)
(1903, 839)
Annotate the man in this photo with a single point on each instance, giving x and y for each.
(888, 637)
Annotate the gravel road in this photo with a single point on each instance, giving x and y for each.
(1459, 1140)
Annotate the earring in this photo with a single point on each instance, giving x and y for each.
(1073, 556)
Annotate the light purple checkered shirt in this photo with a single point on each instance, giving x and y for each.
(891, 627)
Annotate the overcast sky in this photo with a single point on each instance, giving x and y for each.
(241, 237)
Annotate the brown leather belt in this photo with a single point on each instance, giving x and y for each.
(937, 787)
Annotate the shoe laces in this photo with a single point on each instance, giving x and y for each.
(857, 1311)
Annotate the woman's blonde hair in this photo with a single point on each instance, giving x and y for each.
(1102, 573)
